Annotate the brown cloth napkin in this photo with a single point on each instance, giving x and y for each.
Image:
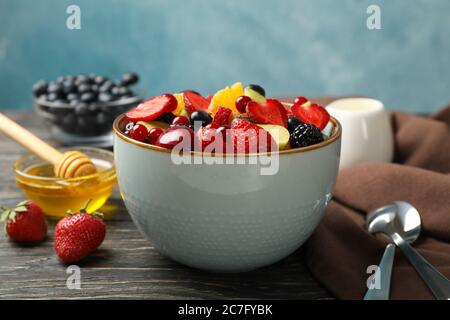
(340, 250)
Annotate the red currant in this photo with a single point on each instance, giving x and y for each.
(241, 103)
(139, 132)
(154, 134)
(181, 120)
(300, 100)
(172, 103)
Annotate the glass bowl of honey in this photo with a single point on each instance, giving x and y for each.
(55, 195)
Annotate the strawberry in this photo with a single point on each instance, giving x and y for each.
(194, 102)
(222, 118)
(153, 108)
(79, 234)
(250, 138)
(272, 112)
(288, 110)
(208, 135)
(209, 98)
(25, 223)
(312, 114)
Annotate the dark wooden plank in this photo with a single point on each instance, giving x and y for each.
(127, 266)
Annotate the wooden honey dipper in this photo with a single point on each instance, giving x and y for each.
(71, 164)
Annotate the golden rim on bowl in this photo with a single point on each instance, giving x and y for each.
(335, 135)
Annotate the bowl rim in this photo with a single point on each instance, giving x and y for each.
(335, 136)
(107, 172)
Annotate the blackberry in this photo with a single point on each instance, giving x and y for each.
(293, 122)
(305, 135)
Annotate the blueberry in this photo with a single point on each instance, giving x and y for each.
(129, 79)
(75, 102)
(53, 96)
(81, 109)
(94, 88)
(68, 87)
(72, 96)
(40, 88)
(105, 97)
(202, 116)
(60, 79)
(54, 87)
(88, 97)
(84, 87)
(258, 89)
(293, 122)
(99, 80)
(120, 91)
(106, 86)
(81, 79)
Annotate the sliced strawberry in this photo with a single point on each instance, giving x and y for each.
(222, 118)
(312, 114)
(194, 102)
(209, 98)
(272, 112)
(247, 137)
(153, 108)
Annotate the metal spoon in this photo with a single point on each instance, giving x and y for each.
(383, 272)
(400, 221)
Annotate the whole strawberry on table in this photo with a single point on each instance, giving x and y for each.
(79, 234)
(236, 115)
(76, 236)
(25, 222)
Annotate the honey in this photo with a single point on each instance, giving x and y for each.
(55, 196)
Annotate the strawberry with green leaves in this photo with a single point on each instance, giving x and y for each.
(25, 222)
(79, 234)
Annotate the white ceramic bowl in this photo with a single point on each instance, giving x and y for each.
(226, 218)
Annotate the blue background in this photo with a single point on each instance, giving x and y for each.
(291, 47)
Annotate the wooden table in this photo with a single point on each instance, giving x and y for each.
(127, 266)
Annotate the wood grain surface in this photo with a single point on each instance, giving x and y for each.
(127, 266)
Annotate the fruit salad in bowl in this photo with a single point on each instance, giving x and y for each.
(254, 179)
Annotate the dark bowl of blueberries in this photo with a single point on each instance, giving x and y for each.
(80, 109)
